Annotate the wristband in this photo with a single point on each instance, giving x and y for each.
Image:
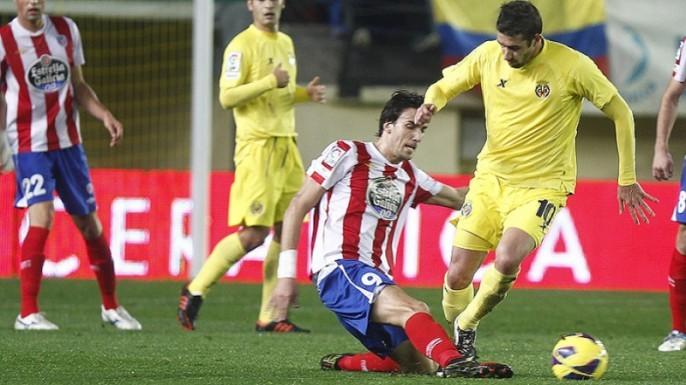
(287, 264)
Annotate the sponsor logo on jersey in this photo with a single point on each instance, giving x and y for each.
(48, 74)
(233, 65)
(291, 59)
(542, 90)
(385, 198)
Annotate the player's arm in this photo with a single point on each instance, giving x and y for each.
(663, 166)
(286, 291)
(451, 197)
(232, 94)
(88, 100)
(630, 194)
(6, 163)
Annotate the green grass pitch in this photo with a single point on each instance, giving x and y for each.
(226, 350)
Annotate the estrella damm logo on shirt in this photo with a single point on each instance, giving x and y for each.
(542, 90)
(48, 74)
(385, 198)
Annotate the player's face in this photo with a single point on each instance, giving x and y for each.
(266, 13)
(30, 10)
(518, 51)
(402, 137)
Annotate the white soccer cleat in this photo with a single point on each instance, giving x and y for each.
(120, 318)
(673, 342)
(34, 321)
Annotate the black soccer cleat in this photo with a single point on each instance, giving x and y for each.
(464, 342)
(284, 326)
(330, 361)
(189, 306)
(473, 369)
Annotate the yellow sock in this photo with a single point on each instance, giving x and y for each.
(271, 262)
(492, 291)
(455, 301)
(227, 252)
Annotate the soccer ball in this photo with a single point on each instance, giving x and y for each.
(579, 356)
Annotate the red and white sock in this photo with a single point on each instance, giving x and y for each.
(102, 265)
(429, 338)
(368, 362)
(31, 268)
(677, 291)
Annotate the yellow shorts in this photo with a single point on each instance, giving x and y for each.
(269, 172)
(491, 206)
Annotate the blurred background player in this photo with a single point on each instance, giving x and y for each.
(533, 90)
(663, 170)
(42, 86)
(361, 194)
(258, 82)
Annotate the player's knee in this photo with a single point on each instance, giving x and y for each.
(419, 307)
(457, 278)
(506, 261)
(252, 237)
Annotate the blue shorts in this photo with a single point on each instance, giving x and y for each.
(349, 291)
(39, 174)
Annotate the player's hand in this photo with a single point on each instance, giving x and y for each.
(663, 166)
(114, 127)
(316, 91)
(634, 198)
(284, 296)
(282, 76)
(424, 114)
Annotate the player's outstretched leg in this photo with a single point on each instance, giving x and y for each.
(358, 362)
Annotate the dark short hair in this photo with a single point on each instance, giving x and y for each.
(519, 18)
(399, 102)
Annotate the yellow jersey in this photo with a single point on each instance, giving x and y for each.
(532, 112)
(247, 84)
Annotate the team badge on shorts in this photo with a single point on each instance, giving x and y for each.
(466, 209)
(256, 208)
(385, 198)
(542, 90)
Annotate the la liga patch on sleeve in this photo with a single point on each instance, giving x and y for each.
(233, 65)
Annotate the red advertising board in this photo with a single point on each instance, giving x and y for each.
(146, 216)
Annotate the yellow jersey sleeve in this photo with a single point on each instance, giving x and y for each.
(234, 90)
(589, 82)
(457, 79)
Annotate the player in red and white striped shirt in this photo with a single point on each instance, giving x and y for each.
(42, 88)
(663, 168)
(361, 194)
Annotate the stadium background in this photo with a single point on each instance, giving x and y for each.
(139, 60)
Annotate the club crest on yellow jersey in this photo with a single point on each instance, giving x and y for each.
(542, 90)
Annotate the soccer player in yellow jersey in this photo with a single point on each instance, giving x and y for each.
(533, 90)
(258, 82)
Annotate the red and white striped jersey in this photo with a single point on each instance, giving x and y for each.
(679, 73)
(35, 80)
(362, 213)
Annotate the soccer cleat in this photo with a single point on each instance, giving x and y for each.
(466, 368)
(284, 326)
(189, 306)
(119, 318)
(464, 342)
(34, 321)
(674, 341)
(330, 361)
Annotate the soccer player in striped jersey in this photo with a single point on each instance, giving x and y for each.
(42, 88)
(258, 83)
(533, 91)
(663, 169)
(361, 193)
